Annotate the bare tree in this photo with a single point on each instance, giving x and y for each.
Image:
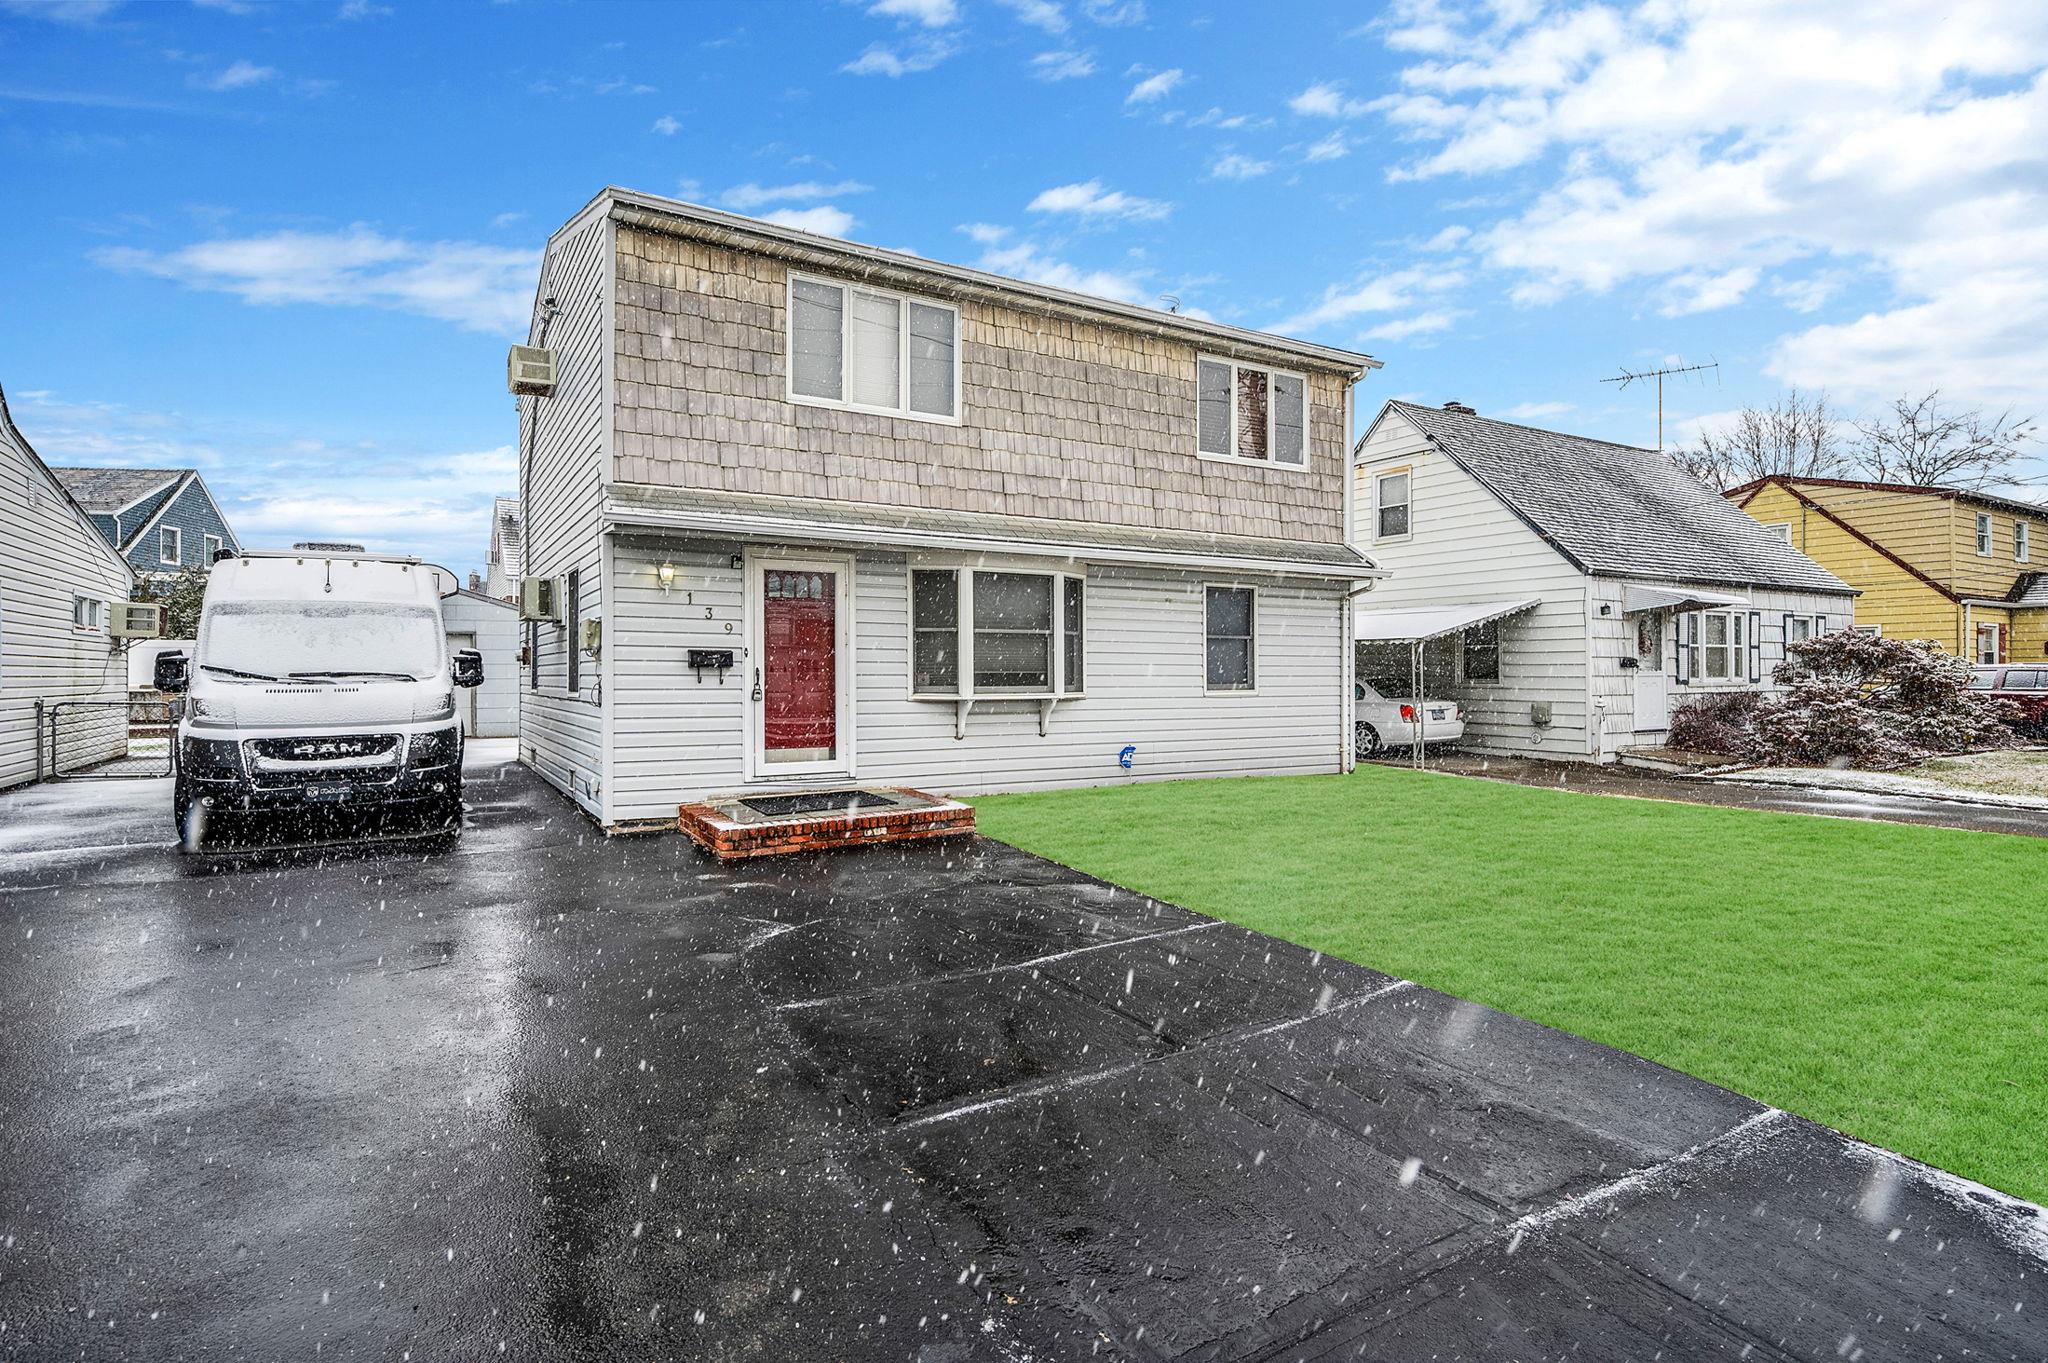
(1796, 435)
(1926, 441)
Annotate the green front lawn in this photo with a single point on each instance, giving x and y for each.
(1888, 980)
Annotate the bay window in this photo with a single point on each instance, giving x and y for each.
(1250, 414)
(872, 350)
(992, 633)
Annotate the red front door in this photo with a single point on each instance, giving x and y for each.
(800, 669)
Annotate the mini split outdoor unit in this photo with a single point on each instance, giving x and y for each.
(530, 371)
(540, 598)
(138, 620)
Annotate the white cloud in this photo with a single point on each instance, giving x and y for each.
(81, 12)
(362, 9)
(930, 13)
(508, 219)
(1702, 153)
(1328, 149)
(1114, 13)
(986, 233)
(1043, 14)
(1536, 411)
(750, 196)
(666, 125)
(1025, 260)
(1326, 99)
(1422, 324)
(823, 219)
(1155, 87)
(484, 288)
(920, 54)
(241, 74)
(1089, 199)
(1392, 291)
(1234, 166)
(1063, 65)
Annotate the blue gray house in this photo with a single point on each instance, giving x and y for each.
(160, 520)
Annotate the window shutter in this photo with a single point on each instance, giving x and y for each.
(1756, 646)
(1678, 653)
(573, 615)
(1820, 625)
(2002, 655)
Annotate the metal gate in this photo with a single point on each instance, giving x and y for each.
(103, 738)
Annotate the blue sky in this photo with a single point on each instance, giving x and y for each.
(288, 243)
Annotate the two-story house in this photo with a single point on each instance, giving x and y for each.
(502, 565)
(162, 521)
(1569, 593)
(1962, 568)
(851, 515)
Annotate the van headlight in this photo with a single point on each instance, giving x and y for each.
(434, 748)
(214, 711)
(438, 705)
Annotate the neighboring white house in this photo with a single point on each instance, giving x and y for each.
(489, 625)
(1567, 592)
(508, 533)
(850, 515)
(60, 582)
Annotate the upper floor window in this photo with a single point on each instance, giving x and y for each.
(873, 351)
(1783, 530)
(1984, 533)
(2019, 541)
(169, 544)
(214, 544)
(1391, 498)
(1251, 414)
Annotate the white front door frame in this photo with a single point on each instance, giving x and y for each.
(757, 561)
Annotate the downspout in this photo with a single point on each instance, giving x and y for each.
(1347, 628)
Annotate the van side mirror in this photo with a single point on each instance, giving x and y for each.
(173, 673)
(468, 667)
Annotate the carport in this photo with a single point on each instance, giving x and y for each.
(1418, 626)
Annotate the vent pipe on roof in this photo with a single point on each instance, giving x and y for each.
(1455, 406)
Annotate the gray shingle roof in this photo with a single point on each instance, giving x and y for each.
(106, 491)
(828, 519)
(1618, 510)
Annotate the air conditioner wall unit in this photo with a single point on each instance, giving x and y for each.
(530, 371)
(540, 598)
(138, 620)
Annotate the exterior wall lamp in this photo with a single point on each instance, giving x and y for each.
(666, 576)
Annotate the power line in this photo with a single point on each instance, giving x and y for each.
(1627, 377)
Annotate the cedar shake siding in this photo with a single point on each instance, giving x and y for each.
(1059, 417)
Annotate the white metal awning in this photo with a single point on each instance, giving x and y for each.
(1637, 598)
(1420, 624)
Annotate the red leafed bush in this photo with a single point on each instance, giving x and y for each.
(1715, 724)
(1864, 701)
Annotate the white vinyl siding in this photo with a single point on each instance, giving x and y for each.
(872, 350)
(679, 739)
(1250, 414)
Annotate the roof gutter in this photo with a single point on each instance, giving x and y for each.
(697, 223)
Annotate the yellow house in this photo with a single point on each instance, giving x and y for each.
(1964, 569)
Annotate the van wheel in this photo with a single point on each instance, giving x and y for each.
(1366, 743)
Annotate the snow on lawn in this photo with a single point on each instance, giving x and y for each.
(2000, 778)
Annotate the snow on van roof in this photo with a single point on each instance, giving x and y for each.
(325, 577)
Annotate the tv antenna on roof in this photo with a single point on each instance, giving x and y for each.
(1172, 302)
(1627, 377)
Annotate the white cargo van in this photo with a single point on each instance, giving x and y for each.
(320, 680)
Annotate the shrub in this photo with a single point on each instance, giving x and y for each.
(1860, 700)
(1715, 724)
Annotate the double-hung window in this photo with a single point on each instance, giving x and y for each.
(1482, 652)
(2020, 537)
(88, 612)
(873, 351)
(1392, 498)
(214, 544)
(1988, 650)
(1715, 645)
(978, 632)
(1984, 533)
(169, 546)
(1798, 628)
(1232, 638)
(1250, 414)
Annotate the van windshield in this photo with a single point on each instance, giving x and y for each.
(274, 639)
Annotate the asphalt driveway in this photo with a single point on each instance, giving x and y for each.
(552, 1097)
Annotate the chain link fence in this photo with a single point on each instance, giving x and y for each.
(104, 738)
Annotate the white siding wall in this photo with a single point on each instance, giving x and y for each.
(679, 738)
(495, 626)
(48, 554)
(566, 442)
(1614, 638)
(1465, 546)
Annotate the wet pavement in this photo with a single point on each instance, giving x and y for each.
(546, 1096)
(1736, 793)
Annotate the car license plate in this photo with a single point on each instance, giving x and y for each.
(1436, 714)
(331, 794)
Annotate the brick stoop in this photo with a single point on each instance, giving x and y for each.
(730, 832)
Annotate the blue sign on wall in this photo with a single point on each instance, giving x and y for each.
(1128, 758)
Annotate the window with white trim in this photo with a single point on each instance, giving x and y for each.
(1715, 645)
(1250, 414)
(88, 612)
(1987, 644)
(1782, 529)
(1868, 631)
(1231, 638)
(1392, 494)
(1798, 629)
(214, 544)
(169, 544)
(1008, 633)
(1984, 533)
(2020, 546)
(872, 350)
